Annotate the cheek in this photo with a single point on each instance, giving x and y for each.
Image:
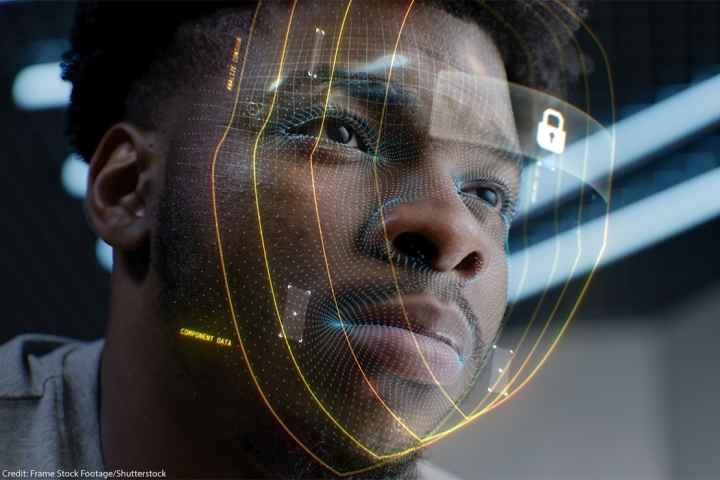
(487, 295)
(303, 207)
(298, 216)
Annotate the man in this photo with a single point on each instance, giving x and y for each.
(308, 204)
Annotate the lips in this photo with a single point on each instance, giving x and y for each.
(421, 339)
(425, 315)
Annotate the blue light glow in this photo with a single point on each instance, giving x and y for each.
(632, 228)
(39, 87)
(104, 254)
(74, 176)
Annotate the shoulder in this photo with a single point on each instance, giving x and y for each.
(27, 362)
(48, 400)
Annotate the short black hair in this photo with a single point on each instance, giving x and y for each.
(125, 57)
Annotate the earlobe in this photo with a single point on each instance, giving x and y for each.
(118, 187)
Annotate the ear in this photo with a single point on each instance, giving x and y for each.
(120, 181)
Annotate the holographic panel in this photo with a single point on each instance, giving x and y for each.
(364, 192)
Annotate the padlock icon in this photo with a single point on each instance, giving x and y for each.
(550, 137)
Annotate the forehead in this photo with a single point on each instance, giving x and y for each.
(445, 74)
(417, 38)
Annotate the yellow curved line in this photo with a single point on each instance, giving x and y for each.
(526, 262)
(586, 285)
(540, 301)
(322, 241)
(265, 254)
(436, 437)
(222, 257)
(385, 234)
(571, 315)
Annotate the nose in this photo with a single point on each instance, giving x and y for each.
(438, 233)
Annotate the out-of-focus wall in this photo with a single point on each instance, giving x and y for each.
(691, 365)
(594, 412)
(622, 399)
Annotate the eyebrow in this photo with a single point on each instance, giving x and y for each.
(364, 85)
(367, 86)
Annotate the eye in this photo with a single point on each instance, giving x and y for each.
(482, 191)
(489, 194)
(341, 133)
(334, 130)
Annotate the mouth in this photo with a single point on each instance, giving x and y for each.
(417, 337)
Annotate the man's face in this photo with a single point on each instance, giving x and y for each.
(347, 231)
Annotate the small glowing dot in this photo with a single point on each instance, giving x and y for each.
(511, 352)
(280, 335)
(308, 292)
(506, 393)
(494, 347)
(490, 390)
(289, 286)
(294, 314)
(500, 370)
(300, 340)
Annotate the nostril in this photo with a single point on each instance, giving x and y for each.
(470, 265)
(416, 247)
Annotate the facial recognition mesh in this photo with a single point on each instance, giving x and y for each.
(363, 193)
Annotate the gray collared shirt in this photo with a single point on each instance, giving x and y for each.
(49, 407)
(49, 404)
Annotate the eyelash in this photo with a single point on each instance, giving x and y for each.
(366, 135)
(506, 203)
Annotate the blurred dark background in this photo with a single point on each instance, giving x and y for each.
(633, 390)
